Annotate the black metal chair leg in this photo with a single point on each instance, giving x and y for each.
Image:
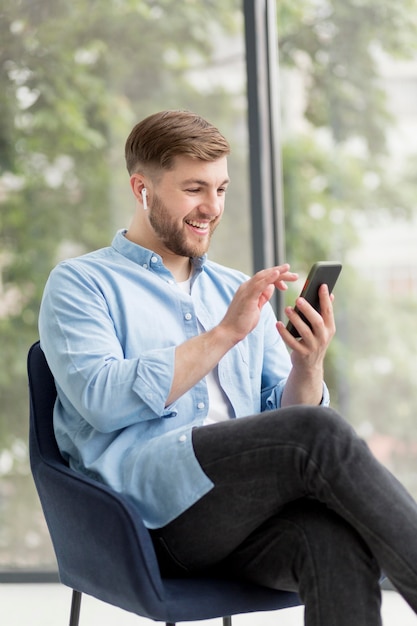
(227, 621)
(75, 608)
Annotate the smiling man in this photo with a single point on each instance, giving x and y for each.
(176, 386)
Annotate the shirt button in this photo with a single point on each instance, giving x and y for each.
(154, 259)
(188, 316)
(182, 438)
(145, 265)
(200, 405)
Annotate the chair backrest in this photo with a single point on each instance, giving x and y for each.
(101, 544)
(42, 396)
(94, 531)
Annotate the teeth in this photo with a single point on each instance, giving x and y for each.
(197, 225)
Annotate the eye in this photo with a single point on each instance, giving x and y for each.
(193, 190)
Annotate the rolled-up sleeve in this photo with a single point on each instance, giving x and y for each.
(80, 338)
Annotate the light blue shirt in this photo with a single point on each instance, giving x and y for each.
(109, 324)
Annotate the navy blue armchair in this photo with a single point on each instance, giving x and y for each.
(101, 544)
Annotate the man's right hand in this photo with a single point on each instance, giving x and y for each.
(241, 318)
(245, 309)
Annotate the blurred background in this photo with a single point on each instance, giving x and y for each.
(76, 75)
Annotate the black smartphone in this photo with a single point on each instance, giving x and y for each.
(323, 272)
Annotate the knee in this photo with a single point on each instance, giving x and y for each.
(331, 421)
(320, 422)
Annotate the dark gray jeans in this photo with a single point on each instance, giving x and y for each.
(300, 504)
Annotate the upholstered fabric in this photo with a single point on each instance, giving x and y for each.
(101, 545)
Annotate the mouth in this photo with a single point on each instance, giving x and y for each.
(201, 228)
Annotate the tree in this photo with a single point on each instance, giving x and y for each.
(338, 170)
(74, 77)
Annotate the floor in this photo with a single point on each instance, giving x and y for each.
(48, 605)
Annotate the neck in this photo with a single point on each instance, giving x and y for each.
(179, 266)
(180, 270)
(140, 232)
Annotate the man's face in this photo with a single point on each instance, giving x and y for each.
(187, 204)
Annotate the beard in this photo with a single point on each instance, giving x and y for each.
(174, 237)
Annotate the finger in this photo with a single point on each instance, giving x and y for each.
(326, 304)
(289, 339)
(277, 272)
(294, 315)
(287, 277)
(265, 296)
(314, 317)
(276, 276)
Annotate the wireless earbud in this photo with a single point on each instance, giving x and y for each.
(144, 199)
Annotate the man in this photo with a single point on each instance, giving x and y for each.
(175, 386)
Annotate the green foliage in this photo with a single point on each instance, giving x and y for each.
(338, 168)
(338, 44)
(75, 75)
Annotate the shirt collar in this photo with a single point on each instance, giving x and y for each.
(145, 257)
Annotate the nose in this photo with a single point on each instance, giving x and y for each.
(213, 203)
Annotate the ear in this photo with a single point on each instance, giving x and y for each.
(137, 183)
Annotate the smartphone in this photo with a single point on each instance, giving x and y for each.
(323, 272)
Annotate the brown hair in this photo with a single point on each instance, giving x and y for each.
(155, 141)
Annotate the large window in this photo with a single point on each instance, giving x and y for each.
(349, 93)
(75, 75)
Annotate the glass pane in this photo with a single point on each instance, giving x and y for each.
(76, 76)
(349, 93)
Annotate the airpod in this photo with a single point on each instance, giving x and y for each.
(144, 199)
